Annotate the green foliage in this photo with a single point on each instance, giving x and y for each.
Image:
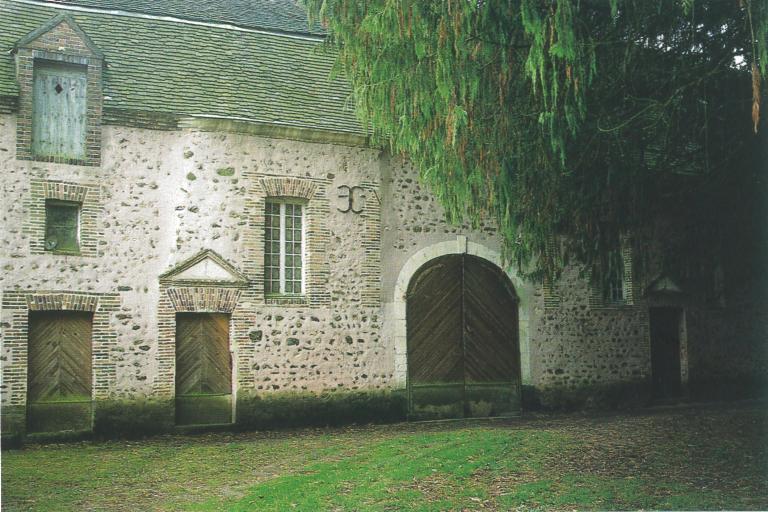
(577, 120)
(428, 471)
(57, 416)
(287, 410)
(131, 419)
(226, 171)
(617, 395)
(728, 387)
(598, 492)
(689, 459)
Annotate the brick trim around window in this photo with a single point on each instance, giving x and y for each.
(317, 237)
(89, 198)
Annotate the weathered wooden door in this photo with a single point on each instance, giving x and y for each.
(463, 356)
(59, 113)
(491, 352)
(59, 371)
(665, 351)
(203, 369)
(435, 341)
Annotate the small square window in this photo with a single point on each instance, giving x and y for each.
(62, 226)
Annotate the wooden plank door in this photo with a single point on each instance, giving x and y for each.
(59, 371)
(59, 110)
(463, 355)
(665, 352)
(435, 352)
(491, 353)
(203, 369)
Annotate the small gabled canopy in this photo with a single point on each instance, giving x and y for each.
(664, 285)
(55, 22)
(206, 267)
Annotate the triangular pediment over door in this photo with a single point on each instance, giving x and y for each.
(206, 267)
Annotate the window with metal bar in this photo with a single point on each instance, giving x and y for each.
(62, 226)
(284, 248)
(614, 287)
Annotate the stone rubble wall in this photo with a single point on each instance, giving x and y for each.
(165, 196)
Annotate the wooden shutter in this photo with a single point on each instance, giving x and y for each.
(59, 116)
(59, 355)
(202, 354)
(629, 285)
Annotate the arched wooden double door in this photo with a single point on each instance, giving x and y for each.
(463, 353)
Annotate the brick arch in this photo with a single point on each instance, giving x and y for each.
(459, 246)
(206, 299)
(62, 302)
(288, 187)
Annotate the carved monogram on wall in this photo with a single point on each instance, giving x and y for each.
(354, 197)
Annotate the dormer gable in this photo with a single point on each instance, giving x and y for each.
(205, 267)
(664, 284)
(61, 34)
(59, 74)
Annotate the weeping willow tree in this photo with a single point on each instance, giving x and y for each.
(572, 120)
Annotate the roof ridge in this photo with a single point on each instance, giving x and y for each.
(55, 4)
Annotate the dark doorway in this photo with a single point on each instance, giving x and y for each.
(59, 371)
(203, 369)
(463, 355)
(665, 351)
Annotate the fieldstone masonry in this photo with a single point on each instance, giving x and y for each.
(88, 196)
(157, 201)
(347, 333)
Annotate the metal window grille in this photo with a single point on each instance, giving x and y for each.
(62, 226)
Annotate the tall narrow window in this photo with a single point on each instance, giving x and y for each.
(614, 287)
(59, 115)
(284, 248)
(62, 226)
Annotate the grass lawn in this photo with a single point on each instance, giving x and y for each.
(699, 458)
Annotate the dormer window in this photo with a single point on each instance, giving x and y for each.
(59, 71)
(59, 112)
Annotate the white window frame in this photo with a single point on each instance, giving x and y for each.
(281, 265)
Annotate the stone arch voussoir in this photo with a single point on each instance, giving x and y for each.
(459, 246)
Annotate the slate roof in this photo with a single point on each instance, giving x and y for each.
(280, 15)
(184, 69)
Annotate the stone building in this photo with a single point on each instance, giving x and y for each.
(195, 230)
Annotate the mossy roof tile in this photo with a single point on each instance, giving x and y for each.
(279, 15)
(192, 70)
